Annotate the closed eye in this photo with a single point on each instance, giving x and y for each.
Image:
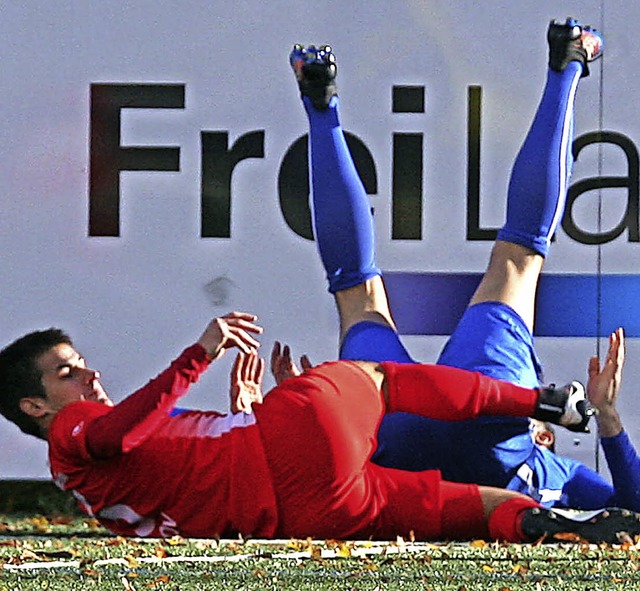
(69, 370)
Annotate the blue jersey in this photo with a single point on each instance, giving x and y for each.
(556, 481)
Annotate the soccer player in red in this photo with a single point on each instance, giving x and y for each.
(299, 465)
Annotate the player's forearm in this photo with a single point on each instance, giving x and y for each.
(135, 418)
(624, 465)
(609, 422)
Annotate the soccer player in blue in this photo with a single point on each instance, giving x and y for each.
(494, 336)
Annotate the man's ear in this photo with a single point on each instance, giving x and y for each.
(34, 406)
(545, 438)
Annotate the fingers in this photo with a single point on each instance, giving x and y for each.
(621, 346)
(275, 358)
(605, 379)
(246, 382)
(243, 317)
(259, 374)
(237, 364)
(594, 367)
(250, 367)
(305, 363)
(289, 365)
(241, 369)
(619, 352)
(282, 366)
(616, 354)
(278, 370)
(238, 327)
(232, 330)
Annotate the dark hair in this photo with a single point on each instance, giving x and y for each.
(20, 376)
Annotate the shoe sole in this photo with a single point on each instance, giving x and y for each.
(611, 526)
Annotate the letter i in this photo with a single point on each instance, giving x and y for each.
(407, 173)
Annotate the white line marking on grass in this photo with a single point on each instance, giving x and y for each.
(342, 550)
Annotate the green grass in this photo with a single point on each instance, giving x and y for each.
(66, 552)
(75, 554)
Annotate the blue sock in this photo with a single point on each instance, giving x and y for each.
(343, 224)
(540, 175)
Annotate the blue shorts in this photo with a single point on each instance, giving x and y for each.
(370, 341)
(490, 338)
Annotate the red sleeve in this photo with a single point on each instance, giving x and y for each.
(131, 421)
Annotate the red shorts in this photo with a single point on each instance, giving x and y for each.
(319, 432)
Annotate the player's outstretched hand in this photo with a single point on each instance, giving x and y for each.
(231, 330)
(246, 382)
(604, 385)
(282, 366)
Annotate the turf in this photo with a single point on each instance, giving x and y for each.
(46, 544)
(71, 553)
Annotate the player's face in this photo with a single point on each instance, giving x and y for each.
(66, 378)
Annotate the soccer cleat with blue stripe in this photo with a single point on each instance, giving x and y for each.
(571, 41)
(610, 526)
(315, 69)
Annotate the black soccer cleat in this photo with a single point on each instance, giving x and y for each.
(315, 69)
(566, 406)
(610, 526)
(571, 41)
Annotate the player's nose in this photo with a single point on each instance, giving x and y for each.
(92, 374)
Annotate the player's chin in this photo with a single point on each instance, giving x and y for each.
(101, 398)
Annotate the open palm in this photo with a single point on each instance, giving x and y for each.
(246, 382)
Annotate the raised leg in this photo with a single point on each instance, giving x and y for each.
(343, 223)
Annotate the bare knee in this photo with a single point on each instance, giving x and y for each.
(366, 301)
(511, 278)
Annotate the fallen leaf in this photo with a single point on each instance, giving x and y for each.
(316, 552)
(175, 541)
(132, 562)
(40, 523)
(478, 544)
(160, 552)
(12, 543)
(90, 572)
(570, 537)
(62, 520)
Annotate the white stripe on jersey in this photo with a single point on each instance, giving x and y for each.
(205, 424)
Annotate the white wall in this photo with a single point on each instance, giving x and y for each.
(133, 302)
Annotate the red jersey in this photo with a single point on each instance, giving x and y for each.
(200, 474)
